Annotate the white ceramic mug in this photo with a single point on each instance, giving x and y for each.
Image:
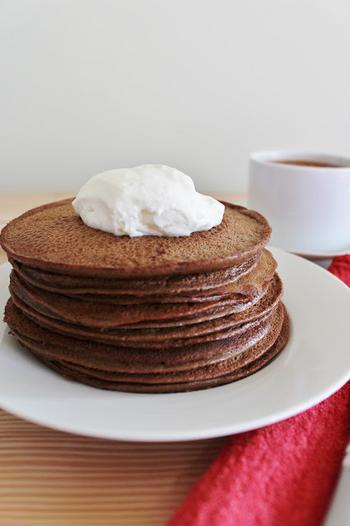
(308, 207)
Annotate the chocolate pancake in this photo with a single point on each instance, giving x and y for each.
(250, 284)
(195, 385)
(220, 309)
(52, 237)
(227, 370)
(110, 357)
(116, 338)
(207, 371)
(132, 360)
(147, 314)
(65, 284)
(107, 316)
(69, 312)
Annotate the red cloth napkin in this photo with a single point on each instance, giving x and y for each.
(280, 475)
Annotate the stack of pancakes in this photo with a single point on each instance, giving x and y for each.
(147, 314)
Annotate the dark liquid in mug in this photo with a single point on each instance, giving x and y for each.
(313, 164)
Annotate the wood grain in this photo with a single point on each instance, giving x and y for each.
(50, 478)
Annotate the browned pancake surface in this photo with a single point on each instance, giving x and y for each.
(114, 337)
(250, 284)
(53, 237)
(107, 317)
(227, 371)
(154, 363)
(63, 283)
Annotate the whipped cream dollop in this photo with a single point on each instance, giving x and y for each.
(152, 199)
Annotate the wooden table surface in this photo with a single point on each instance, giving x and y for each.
(50, 478)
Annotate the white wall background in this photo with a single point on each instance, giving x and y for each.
(88, 85)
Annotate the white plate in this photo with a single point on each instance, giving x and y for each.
(315, 363)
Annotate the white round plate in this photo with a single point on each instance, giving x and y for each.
(314, 364)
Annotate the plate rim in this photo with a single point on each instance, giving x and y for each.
(218, 432)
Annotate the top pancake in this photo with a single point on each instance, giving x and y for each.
(53, 237)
